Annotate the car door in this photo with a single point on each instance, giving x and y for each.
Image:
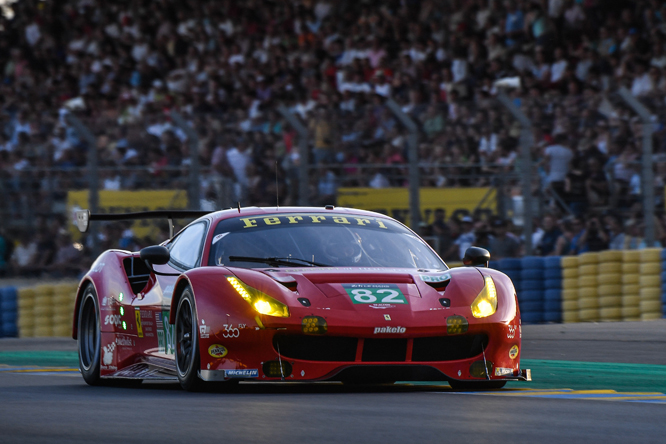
(152, 311)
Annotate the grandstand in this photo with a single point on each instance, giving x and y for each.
(227, 67)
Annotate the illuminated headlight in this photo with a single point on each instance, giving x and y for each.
(485, 303)
(261, 302)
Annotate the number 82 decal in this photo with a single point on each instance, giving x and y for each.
(375, 293)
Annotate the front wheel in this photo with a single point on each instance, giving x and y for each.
(187, 343)
(89, 337)
(476, 385)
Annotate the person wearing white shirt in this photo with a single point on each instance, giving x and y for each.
(642, 84)
(558, 68)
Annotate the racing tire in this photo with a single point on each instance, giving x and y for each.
(187, 343)
(476, 385)
(89, 337)
(570, 273)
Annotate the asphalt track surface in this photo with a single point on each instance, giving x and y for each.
(593, 383)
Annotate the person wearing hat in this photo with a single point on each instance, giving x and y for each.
(502, 243)
(465, 240)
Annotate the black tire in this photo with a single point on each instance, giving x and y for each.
(476, 385)
(89, 337)
(187, 343)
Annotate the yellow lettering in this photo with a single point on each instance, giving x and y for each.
(340, 220)
(362, 221)
(381, 224)
(293, 219)
(317, 219)
(249, 223)
(272, 220)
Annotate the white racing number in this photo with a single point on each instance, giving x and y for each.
(375, 293)
(366, 297)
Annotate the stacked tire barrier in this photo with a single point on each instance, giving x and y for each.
(8, 312)
(532, 289)
(610, 285)
(569, 289)
(552, 307)
(650, 283)
(663, 281)
(631, 310)
(588, 287)
(46, 310)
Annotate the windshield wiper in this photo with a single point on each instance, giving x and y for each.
(274, 261)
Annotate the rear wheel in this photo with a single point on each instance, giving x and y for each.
(187, 343)
(89, 337)
(476, 385)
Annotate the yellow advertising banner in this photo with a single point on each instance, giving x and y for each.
(457, 202)
(129, 202)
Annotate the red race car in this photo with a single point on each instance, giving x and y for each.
(294, 294)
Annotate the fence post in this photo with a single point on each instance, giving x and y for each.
(303, 179)
(193, 198)
(647, 175)
(414, 179)
(93, 174)
(526, 166)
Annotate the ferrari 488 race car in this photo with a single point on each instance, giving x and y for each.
(294, 294)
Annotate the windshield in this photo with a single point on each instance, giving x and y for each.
(303, 240)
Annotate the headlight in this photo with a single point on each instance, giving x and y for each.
(485, 303)
(261, 302)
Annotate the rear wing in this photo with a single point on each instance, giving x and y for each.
(83, 217)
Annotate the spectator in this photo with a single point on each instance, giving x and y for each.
(503, 243)
(546, 245)
(24, 255)
(465, 240)
(559, 157)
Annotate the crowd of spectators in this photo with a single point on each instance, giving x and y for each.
(226, 66)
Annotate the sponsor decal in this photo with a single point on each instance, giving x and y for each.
(513, 353)
(387, 317)
(375, 293)
(217, 351)
(165, 333)
(146, 316)
(511, 333)
(139, 329)
(436, 278)
(204, 330)
(113, 320)
(108, 354)
(311, 219)
(393, 330)
(97, 267)
(500, 371)
(230, 331)
(243, 373)
(381, 306)
(124, 341)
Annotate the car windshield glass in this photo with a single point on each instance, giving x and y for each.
(318, 240)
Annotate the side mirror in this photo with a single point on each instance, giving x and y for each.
(157, 255)
(476, 257)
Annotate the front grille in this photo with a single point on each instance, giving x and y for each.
(378, 350)
(343, 349)
(448, 348)
(316, 348)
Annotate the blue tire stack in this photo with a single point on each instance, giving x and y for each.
(552, 306)
(663, 282)
(8, 312)
(532, 289)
